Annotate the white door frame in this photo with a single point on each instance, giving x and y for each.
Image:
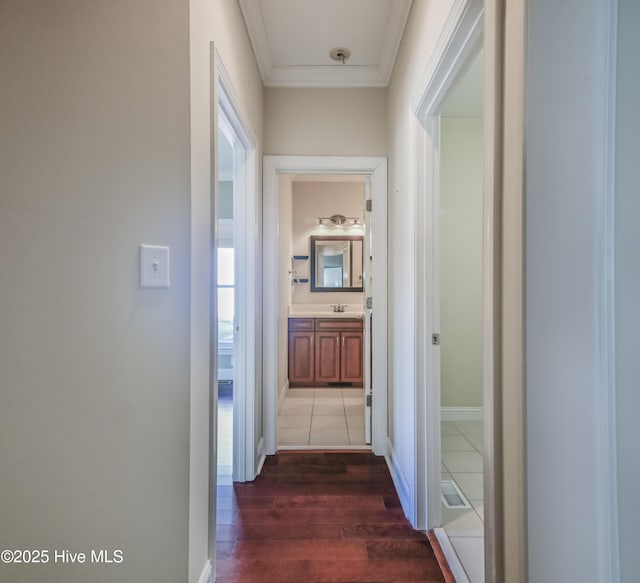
(459, 44)
(376, 168)
(367, 273)
(245, 245)
(246, 226)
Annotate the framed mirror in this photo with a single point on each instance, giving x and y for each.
(336, 263)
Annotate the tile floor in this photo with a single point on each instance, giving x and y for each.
(462, 452)
(331, 417)
(225, 437)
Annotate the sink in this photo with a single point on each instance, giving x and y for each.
(324, 311)
(297, 314)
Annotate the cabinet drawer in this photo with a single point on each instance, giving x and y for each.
(305, 324)
(338, 324)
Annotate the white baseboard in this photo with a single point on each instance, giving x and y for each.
(262, 456)
(282, 394)
(324, 447)
(452, 558)
(400, 482)
(207, 572)
(461, 414)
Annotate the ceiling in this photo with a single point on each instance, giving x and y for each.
(292, 39)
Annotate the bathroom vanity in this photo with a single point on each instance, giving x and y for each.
(326, 351)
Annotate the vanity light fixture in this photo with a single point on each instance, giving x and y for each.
(338, 221)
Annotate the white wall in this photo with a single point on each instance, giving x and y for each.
(423, 29)
(565, 164)
(285, 251)
(322, 199)
(461, 261)
(627, 287)
(219, 22)
(94, 405)
(326, 122)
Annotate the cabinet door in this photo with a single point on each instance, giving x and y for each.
(327, 357)
(301, 358)
(352, 366)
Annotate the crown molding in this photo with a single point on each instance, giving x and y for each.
(325, 76)
(330, 75)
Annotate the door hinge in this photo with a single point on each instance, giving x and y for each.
(369, 400)
(368, 205)
(369, 303)
(435, 339)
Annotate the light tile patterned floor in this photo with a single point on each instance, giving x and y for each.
(225, 439)
(462, 453)
(330, 417)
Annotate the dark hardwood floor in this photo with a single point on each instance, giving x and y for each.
(320, 517)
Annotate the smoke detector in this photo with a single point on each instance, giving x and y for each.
(340, 54)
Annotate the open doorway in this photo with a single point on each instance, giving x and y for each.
(233, 341)
(225, 295)
(321, 299)
(277, 265)
(454, 263)
(459, 312)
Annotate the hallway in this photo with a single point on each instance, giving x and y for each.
(315, 517)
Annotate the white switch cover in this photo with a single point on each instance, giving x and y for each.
(154, 266)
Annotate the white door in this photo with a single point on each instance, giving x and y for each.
(368, 310)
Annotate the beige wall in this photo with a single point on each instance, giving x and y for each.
(323, 122)
(94, 371)
(461, 261)
(424, 26)
(322, 199)
(219, 23)
(285, 222)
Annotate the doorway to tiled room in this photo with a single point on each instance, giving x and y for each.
(346, 394)
(322, 343)
(457, 250)
(461, 319)
(225, 295)
(233, 308)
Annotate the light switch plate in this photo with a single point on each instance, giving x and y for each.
(154, 266)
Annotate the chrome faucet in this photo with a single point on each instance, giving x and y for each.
(338, 307)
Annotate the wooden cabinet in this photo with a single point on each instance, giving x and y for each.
(301, 351)
(327, 357)
(352, 364)
(325, 351)
(301, 358)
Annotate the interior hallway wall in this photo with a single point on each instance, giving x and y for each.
(322, 199)
(566, 153)
(461, 320)
(94, 370)
(325, 122)
(424, 26)
(285, 251)
(627, 287)
(220, 23)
